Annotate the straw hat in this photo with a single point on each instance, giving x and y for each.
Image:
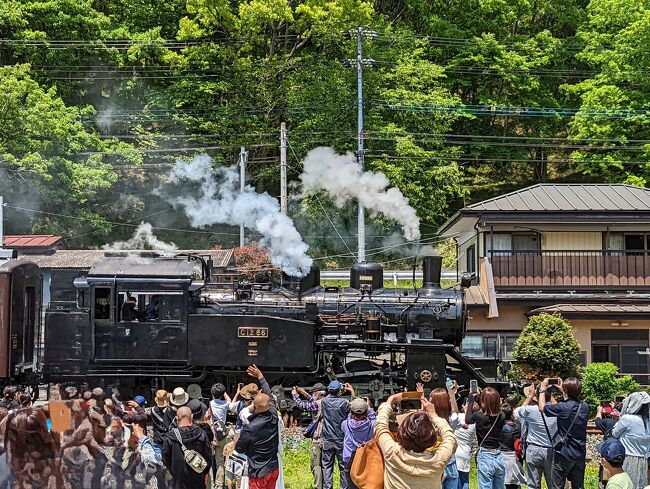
(179, 397)
(249, 391)
(162, 398)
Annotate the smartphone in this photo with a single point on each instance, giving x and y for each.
(240, 385)
(620, 399)
(473, 386)
(606, 403)
(553, 381)
(411, 395)
(450, 383)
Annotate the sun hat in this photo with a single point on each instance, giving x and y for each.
(179, 397)
(358, 406)
(198, 409)
(194, 391)
(249, 391)
(162, 398)
(334, 386)
(612, 450)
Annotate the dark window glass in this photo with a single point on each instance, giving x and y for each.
(102, 303)
(634, 241)
(632, 361)
(471, 259)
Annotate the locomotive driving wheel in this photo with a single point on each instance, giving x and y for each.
(426, 376)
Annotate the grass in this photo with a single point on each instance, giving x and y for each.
(298, 476)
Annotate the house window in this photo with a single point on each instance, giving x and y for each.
(471, 259)
(504, 243)
(489, 345)
(630, 242)
(621, 347)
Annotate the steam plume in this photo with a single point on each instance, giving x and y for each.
(143, 239)
(219, 201)
(341, 176)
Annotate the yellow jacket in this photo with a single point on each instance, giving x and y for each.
(409, 470)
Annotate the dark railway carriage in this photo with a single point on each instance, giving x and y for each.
(20, 319)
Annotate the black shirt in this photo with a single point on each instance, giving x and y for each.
(509, 433)
(606, 425)
(488, 428)
(259, 441)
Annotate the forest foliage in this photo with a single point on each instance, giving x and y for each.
(468, 99)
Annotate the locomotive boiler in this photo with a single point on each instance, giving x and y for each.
(143, 321)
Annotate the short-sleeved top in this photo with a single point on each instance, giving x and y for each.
(219, 409)
(488, 428)
(536, 431)
(575, 444)
(620, 481)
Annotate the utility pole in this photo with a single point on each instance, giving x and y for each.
(243, 158)
(360, 34)
(283, 167)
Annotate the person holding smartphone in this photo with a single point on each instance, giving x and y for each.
(334, 409)
(570, 445)
(489, 421)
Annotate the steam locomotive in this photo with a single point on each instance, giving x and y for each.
(143, 321)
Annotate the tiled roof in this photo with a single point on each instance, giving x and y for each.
(84, 259)
(584, 310)
(31, 241)
(569, 197)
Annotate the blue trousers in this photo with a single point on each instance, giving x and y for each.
(450, 481)
(491, 470)
(463, 480)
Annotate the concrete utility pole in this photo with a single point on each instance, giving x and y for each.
(360, 34)
(283, 167)
(243, 158)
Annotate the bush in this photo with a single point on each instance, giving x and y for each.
(600, 383)
(546, 348)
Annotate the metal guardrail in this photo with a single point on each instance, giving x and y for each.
(388, 275)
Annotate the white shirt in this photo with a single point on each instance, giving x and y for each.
(634, 436)
(467, 443)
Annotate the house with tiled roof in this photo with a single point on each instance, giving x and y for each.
(581, 250)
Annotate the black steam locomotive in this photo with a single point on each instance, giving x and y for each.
(145, 321)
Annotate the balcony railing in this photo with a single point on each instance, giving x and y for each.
(562, 269)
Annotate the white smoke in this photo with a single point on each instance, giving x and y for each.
(143, 239)
(341, 176)
(220, 201)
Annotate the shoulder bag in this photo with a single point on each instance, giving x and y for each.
(561, 440)
(367, 470)
(192, 458)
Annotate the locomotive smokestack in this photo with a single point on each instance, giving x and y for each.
(431, 272)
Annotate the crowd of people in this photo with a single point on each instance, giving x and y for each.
(94, 439)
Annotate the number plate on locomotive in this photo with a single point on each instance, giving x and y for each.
(253, 332)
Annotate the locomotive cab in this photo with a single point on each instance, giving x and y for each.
(138, 307)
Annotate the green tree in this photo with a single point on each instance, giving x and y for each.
(547, 348)
(600, 382)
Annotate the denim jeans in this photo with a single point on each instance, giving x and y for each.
(331, 454)
(450, 480)
(463, 480)
(491, 470)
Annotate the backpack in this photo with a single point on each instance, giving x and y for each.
(192, 458)
(219, 430)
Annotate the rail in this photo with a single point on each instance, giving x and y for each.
(576, 268)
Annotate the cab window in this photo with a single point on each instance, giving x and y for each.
(140, 306)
